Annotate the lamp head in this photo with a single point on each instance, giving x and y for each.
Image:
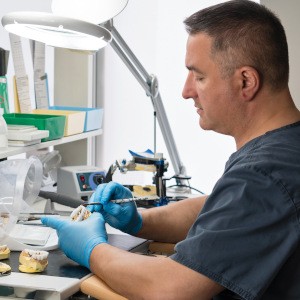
(93, 11)
(72, 25)
(57, 31)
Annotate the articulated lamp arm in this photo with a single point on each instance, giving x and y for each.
(150, 84)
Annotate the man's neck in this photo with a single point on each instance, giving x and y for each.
(278, 112)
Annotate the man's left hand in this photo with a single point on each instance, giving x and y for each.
(78, 239)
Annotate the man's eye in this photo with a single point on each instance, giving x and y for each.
(199, 78)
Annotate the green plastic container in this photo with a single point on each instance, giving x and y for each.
(54, 123)
(4, 94)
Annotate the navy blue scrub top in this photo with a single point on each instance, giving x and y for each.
(246, 238)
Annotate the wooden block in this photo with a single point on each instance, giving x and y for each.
(161, 248)
(97, 288)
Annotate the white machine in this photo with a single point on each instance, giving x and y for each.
(79, 181)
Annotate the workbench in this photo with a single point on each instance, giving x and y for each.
(62, 277)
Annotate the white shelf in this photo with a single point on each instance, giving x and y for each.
(10, 151)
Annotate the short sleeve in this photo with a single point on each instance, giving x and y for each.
(244, 234)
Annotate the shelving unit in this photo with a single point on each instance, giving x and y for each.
(10, 151)
(74, 85)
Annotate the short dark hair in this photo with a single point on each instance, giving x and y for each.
(245, 33)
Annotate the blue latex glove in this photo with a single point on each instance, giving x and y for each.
(78, 239)
(124, 216)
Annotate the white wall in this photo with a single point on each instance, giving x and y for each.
(289, 16)
(154, 31)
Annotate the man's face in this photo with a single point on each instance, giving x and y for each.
(213, 94)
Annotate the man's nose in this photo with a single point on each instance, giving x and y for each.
(188, 90)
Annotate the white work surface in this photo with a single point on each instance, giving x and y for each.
(46, 287)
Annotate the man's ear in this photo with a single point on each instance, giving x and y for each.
(250, 82)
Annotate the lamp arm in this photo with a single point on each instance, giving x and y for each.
(150, 84)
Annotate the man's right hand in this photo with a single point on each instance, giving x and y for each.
(124, 216)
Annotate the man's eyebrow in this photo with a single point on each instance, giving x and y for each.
(193, 68)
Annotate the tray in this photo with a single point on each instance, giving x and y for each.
(74, 119)
(93, 117)
(53, 123)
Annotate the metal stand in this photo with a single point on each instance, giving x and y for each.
(150, 84)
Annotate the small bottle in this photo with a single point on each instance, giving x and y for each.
(3, 131)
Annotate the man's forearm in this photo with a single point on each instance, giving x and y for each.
(138, 276)
(170, 223)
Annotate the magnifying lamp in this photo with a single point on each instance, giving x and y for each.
(57, 31)
(74, 25)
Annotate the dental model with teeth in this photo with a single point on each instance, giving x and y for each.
(4, 252)
(33, 261)
(80, 213)
(5, 269)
